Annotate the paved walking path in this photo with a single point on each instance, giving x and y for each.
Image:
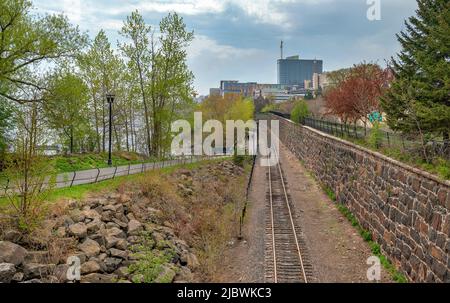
(100, 174)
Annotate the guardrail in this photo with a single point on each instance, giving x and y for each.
(96, 175)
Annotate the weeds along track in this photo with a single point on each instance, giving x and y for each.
(286, 254)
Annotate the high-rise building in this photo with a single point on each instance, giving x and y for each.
(294, 71)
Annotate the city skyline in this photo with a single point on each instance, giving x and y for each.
(240, 39)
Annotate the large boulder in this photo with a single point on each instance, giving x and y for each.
(119, 223)
(122, 244)
(118, 253)
(77, 216)
(122, 272)
(94, 226)
(78, 230)
(36, 270)
(90, 247)
(37, 257)
(91, 214)
(90, 267)
(115, 232)
(60, 272)
(112, 264)
(134, 227)
(167, 275)
(111, 241)
(189, 259)
(7, 271)
(12, 253)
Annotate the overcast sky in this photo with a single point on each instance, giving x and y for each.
(239, 39)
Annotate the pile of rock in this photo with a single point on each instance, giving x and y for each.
(104, 232)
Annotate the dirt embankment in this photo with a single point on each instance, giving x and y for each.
(161, 227)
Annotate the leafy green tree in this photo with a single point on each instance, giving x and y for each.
(102, 71)
(300, 112)
(418, 101)
(241, 109)
(171, 82)
(160, 68)
(139, 55)
(26, 42)
(66, 106)
(375, 136)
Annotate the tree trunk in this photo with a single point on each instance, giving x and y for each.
(71, 140)
(446, 138)
(144, 100)
(126, 134)
(104, 126)
(97, 131)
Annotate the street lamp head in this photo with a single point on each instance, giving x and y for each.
(110, 98)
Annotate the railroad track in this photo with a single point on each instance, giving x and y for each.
(286, 255)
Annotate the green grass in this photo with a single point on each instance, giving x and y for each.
(72, 163)
(330, 193)
(150, 261)
(79, 192)
(438, 166)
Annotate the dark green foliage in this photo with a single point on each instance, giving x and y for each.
(375, 137)
(309, 95)
(418, 100)
(241, 160)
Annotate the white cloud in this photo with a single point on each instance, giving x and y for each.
(203, 44)
(262, 11)
(211, 62)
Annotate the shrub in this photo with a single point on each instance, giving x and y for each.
(300, 112)
(375, 137)
(150, 262)
(269, 107)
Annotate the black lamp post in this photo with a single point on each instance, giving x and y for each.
(110, 100)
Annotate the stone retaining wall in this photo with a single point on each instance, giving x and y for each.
(406, 209)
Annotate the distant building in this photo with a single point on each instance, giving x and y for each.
(278, 93)
(214, 91)
(294, 71)
(307, 84)
(245, 89)
(320, 81)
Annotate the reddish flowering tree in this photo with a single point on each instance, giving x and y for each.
(357, 94)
